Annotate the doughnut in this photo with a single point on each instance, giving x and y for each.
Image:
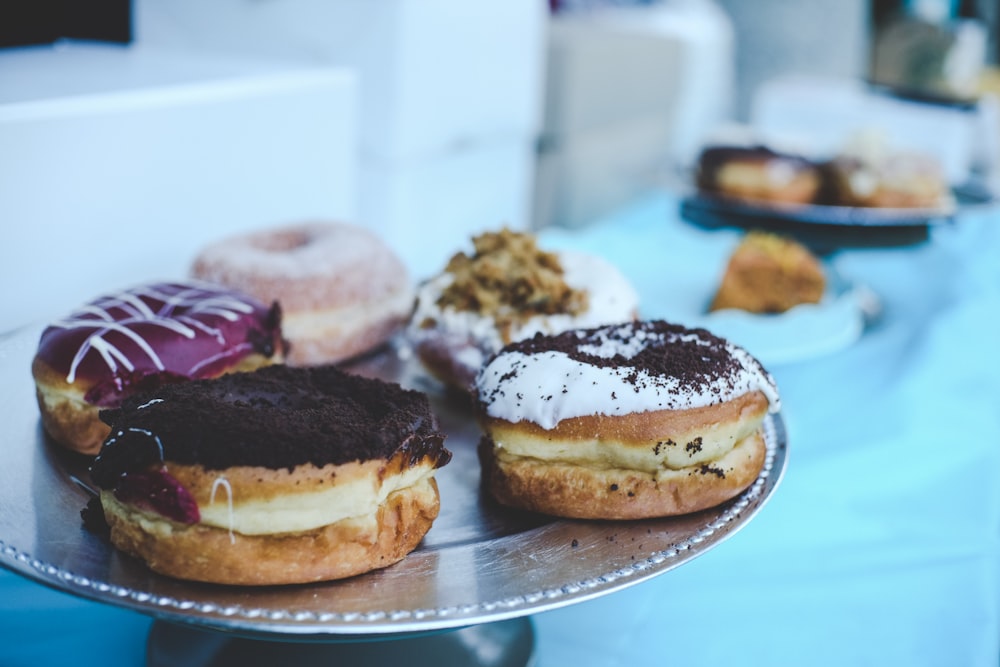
(281, 475)
(894, 180)
(139, 338)
(629, 421)
(769, 273)
(758, 173)
(506, 290)
(342, 291)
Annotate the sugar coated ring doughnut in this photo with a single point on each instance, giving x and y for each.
(139, 338)
(282, 475)
(342, 291)
(629, 421)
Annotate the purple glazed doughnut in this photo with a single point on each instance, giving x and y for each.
(142, 338)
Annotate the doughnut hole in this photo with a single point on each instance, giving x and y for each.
(292, 239)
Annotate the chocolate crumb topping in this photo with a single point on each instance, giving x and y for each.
(509, 278)
(694, 446)
(695, 358)
(706, 469)
(275, 417)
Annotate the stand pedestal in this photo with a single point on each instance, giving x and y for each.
(508, 643)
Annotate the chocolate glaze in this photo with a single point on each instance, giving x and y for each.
(158, 333)
(275, 417)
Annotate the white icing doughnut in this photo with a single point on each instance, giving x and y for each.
(626, 421)
(546, 386)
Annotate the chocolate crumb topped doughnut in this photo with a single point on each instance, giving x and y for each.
(628, 421)
(342, 290)
(758, 173)
(508, 289)
(141, 337)
(279, 476)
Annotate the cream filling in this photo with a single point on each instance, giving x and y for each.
(742, 451)
(732, 459)
(292, 513)
(347, 321)
(669, 453)
(741, 177)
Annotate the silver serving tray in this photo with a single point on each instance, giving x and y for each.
(479, 563)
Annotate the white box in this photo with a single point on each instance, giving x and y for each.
(119, 163)
(434, 74)
(591, 174)
(821, 115)
(430, 209)
(631, 92)
(603, 74)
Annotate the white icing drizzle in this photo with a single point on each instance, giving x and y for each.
(214, 332)
(547, 387)
(208, 360)
(223, 482)
(181, 304)
(89, 309)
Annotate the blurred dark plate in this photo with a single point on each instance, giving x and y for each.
(822, 228)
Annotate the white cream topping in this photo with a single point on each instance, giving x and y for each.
(546, 387)
(611, 299)
(863, 182)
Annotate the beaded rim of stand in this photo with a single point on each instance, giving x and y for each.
(450, 616)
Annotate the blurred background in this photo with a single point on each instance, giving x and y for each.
(134, 132)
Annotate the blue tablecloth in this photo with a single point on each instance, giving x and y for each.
(880, 547)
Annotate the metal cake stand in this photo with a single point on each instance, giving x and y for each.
(464, 596)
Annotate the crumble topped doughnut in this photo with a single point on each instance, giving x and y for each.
(140, 338)
(507, 290)
(769, 273)
(628, 421)
(758, 173)
(278, 476)
(342, 291)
